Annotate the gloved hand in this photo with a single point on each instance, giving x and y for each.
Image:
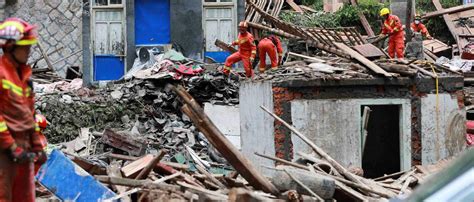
(18, 154)
(251, 60)
(41, 157)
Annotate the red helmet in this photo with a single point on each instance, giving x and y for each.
(28, 31)
(41, 121)
(243, 24)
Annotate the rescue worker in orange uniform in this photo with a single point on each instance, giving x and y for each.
(18, 141)
(270, 45)
(393, 27)
(246, 53)
(41, 124)
(418, 26)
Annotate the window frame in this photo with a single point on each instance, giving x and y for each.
(108, 5)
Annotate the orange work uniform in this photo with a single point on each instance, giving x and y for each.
(270, 45)
(17, 125)
(396, 43)
(247, 51)
(420, 27)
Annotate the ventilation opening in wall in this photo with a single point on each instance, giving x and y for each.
(381, 150)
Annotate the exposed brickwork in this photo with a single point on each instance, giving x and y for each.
(282, 107)
(284, 95)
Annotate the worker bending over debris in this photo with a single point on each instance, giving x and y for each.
(19, 145)
(246, 53)
(270, 45)
(393, 27)
(418, 27)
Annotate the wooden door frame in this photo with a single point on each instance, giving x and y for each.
(93, 10)
(233, 5)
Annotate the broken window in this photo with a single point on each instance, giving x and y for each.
(107, 2)
(100, 2)
(115, 1)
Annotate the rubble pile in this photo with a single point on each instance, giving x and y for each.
(145, 108)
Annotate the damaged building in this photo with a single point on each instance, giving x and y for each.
(154, 25)
(412, 120)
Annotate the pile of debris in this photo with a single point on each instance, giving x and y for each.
(315, 178)
(144, 109)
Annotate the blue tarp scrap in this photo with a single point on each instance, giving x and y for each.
(69, 182)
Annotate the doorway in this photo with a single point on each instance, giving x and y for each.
(381, 148)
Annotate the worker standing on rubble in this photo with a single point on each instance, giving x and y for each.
(270, 45)
(18, 142)
(418, 26)
(393, 27)
(246, 53)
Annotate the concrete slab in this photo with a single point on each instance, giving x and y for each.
(227, 120)
(256, 127)
(443, 130)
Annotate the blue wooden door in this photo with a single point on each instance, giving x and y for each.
(152, 22)
(109, 44)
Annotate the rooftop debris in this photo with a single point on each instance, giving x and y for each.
(147, 137)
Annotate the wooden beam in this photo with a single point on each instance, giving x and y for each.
(449, 22)
(448, 11)
(45, 56)
(294, 6)
(272, 30)
(363, 20)
(241, 164)
(354, 54)
(225, 46)
(149, 167)
(306, 57)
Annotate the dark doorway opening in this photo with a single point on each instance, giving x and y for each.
(381, 154)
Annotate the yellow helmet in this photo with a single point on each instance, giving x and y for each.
(384, 11)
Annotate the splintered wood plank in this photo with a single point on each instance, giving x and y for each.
(448, 11)
(369, 64)
(294, 6)
(449, 22)
(136, 166)
(368, 50)
(364, 21)
(435, 45)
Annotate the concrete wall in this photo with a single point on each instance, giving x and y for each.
(335, 126)
(187, 31)
(59, 25)
(256, 126)
(227, 120)
(443, 130)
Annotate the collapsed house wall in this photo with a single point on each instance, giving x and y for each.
(59, 24)
(329, 113)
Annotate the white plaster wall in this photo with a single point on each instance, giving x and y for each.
(443, 130)
(227, 120)
(256, 126)
(335, 126)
